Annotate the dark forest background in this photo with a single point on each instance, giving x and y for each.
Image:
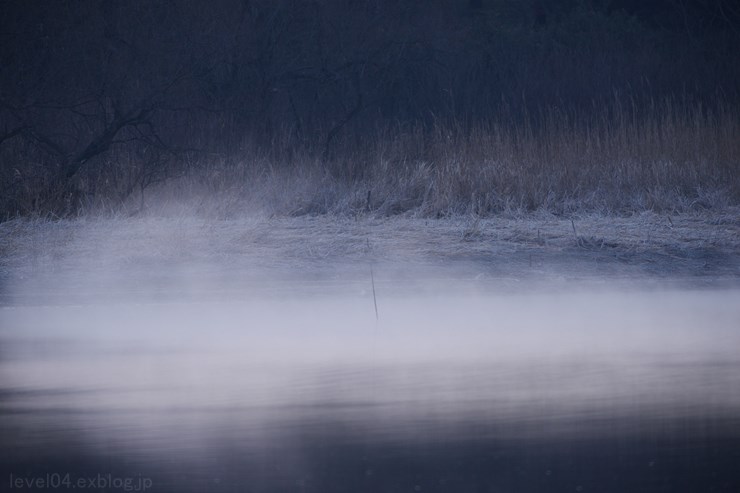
(100, 100)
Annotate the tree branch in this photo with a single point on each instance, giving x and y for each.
(12, 133)
(103, 142)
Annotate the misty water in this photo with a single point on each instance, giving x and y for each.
(464, 387)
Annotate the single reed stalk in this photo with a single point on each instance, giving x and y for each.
(375, 300)
(372, 280)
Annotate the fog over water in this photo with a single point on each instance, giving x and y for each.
(467, 380)
(370, 246)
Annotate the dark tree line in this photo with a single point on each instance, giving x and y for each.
(88, 84)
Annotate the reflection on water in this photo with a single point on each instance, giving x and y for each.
(475, 392)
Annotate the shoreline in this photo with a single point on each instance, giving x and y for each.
(190, 255)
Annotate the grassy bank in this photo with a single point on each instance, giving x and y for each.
(666, 157)
(671, 159)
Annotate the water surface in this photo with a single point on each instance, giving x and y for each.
(455, 390)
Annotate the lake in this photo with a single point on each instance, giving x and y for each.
(460, 389)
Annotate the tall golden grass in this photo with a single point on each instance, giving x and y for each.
(666, 156)
(616, 159)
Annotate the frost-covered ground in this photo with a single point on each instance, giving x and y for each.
(187, 255)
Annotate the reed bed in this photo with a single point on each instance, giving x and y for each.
(620, 159)
(671, 158)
